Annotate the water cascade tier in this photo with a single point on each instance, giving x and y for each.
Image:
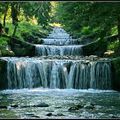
(58, 43)
(52, 73)
(45, 50)
(58, 64)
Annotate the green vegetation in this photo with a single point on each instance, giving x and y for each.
(90, 18)
(26, 21)
(31, 21)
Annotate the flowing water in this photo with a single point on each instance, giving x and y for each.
(106, 104)
(62, 78)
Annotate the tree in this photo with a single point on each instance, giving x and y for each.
(4, 9)
(97, 16)
(15, 9)
(38, 9)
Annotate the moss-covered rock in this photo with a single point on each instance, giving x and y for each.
(32, 38)
(3, 76)
(7, 53)
(95, 48)
(116, 73)
(22, 48)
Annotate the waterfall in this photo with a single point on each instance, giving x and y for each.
(77, 74)
(59, 65)
(45, 50)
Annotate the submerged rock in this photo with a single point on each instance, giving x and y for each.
(60, 114)
(32, 115)
(3, 107)
(14, 106)
(41, 105)
(49, 114)
(76, 107)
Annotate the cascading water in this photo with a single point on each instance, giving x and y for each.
(51, 72)
(58, 43)
(43, 50)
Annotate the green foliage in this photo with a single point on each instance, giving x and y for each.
(38, 9)
(117, 50)
(25, 27)
(112, 45)
(3, 42)
(85, 31)
(76, 16)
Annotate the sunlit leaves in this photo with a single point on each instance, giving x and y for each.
(77, 15)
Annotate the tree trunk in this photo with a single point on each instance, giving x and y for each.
(15, 29)
(5, 14)
(14, 14)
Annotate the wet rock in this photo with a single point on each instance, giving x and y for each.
(32, 115)
(41, 105)
(49, 114)
(58, 107)
(60, 114)
(76, 107)
(14, 106)
(25, 106)
(89, 106)
(113, 116)
(3, 107)
(7, 53)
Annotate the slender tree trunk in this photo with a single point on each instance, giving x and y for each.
(14, 14)
(15, 29)
(5, 14)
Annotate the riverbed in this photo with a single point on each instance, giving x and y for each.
(43, 103)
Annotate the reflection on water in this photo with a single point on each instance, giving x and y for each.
(24, 103)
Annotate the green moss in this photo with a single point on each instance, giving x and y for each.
(7, 53)
(3, 42)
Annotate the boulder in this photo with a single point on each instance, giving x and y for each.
(75, 107)
(41, 105)
(22, 48)
(38, 105)
(3, 107)
(49, 114)
(7, 53)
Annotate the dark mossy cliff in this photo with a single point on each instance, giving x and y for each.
(116, 73)
(3, 76)
(97, 47)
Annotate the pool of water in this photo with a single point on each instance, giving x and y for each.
(61, 103)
